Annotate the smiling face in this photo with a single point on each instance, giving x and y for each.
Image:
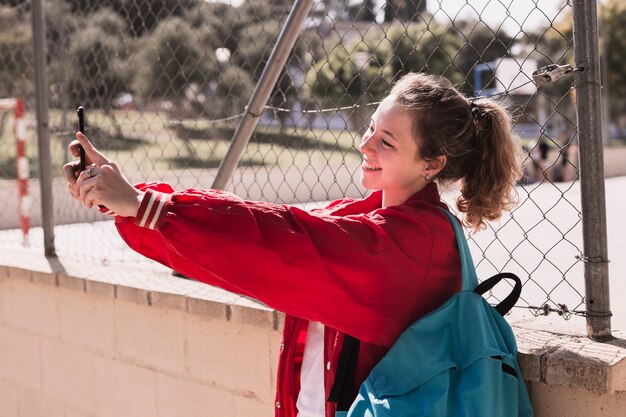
(391, 160)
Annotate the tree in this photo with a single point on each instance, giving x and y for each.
(87, 7)
(16, 55)
(262, 10)
(98, 69)
(363, 11)
(421, 47)
(13, 3)
(144, 15)
(336, 80)
(61, 25)
(95, 72)
(141, 16)
(613, 35)
(170, 59)
(255, 44)
(216, 24)
(404, 10)
(234, 88)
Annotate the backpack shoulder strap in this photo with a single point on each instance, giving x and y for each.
(342, 391)
(470, 281)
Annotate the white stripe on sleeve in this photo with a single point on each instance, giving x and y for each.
(146, 213)
(162, 200)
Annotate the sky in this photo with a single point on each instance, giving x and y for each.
(514, 15)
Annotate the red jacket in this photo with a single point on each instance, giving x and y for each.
(356, 267)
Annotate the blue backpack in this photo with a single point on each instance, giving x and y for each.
(460, 360)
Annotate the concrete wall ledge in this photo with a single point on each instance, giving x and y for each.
(567, 373)
(155, 287)
(554, 352)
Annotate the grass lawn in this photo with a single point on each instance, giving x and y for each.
(150, 142)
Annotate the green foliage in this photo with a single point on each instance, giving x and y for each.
(60, 24)
(85, 7)
(614, 34)
(140, 16)
(263, 10)
(234, 87)
(217, 24)
(405, 11)
(428, 48)
(16, 56)
(111, 23)
(363, 11)
(337, 81)
(170, 59)
(412, 48)
(157, 49)
(256, 42)
(144, 15)
(233, 81)
(96, 73)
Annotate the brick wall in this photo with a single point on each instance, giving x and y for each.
(71, 352)
(92, 341)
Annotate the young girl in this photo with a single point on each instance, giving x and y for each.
(367, 268)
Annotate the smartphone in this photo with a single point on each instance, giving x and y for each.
(81, 128)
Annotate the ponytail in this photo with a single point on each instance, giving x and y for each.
(475, 137)
(489, 188)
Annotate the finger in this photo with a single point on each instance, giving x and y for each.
(72, 191)
(90, 199)
(73, 148)
(71, 171)
(86, 186)
(89, 173)
(92, 153)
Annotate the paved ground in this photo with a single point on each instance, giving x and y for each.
(538, 242)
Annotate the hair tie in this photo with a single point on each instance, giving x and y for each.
(476, 114)
(478, 118)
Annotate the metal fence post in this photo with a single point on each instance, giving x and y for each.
(271, 72)
(588, 109)
(43, 131)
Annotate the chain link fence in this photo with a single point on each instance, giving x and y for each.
(165, 84)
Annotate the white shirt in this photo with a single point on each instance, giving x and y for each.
(311, 399)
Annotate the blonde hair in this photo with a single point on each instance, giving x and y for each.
(474, 136)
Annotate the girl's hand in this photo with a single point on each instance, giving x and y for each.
(101, 183)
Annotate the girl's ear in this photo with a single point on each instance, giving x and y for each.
(434, 166)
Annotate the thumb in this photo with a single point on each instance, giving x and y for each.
(91, 152)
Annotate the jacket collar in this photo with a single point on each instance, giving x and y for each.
(374, 201)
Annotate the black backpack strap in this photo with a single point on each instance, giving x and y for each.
(342, 391)
(507, 304)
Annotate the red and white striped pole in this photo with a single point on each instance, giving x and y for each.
(19, 129)
(23, 173)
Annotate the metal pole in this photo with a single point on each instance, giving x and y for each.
(589, 113)
(64, 81)
(278, 58)
(43, 133)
